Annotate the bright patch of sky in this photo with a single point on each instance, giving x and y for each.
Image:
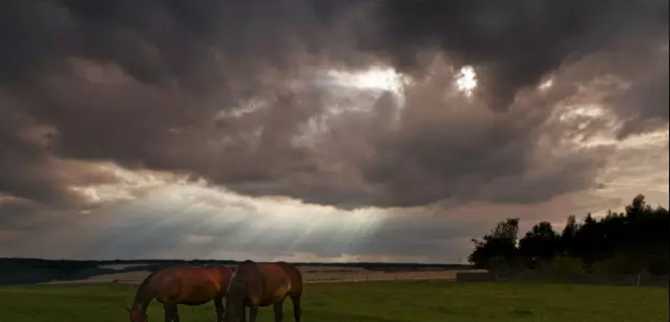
(546, 84)
(466, 80)
(375, 78)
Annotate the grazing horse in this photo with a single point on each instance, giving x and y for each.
(263, 284)
(182, 285)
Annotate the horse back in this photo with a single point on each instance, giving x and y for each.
(189, 285)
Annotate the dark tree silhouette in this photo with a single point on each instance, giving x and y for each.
(632, 242)
(588, 240)
(499, 246)
(567, 241)
(541, 243)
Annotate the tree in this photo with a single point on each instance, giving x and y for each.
(638, 207)
(633, 241)
(498, 247)
(589, 240)
(541, 243)
(567, 239)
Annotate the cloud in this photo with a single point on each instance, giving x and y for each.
(340, 104)
(513, 44)
(197, 220)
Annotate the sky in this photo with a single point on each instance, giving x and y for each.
(331, 131)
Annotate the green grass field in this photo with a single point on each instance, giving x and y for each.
(366, 302)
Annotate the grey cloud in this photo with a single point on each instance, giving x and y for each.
(645, 105)
(142, 83)
(515, 44)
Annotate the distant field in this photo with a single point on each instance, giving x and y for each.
(14, 271)
(424, 301)
(311, 274)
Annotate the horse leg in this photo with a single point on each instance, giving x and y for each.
(175, 313)
(279, 311)
(218, 303)
(171, 313)
(297, 310)
(168, 314)
(253, 311)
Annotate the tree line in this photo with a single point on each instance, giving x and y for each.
(631, 242)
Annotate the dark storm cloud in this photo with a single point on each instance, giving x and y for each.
(645, 105)
(147, 84)
(29, 171)
(515, 43)
(162, 41)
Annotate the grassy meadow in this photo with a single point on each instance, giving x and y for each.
(425, 301)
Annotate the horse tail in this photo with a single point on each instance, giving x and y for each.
(295, 275)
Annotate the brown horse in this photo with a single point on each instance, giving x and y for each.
(182, 285)
(264, 284)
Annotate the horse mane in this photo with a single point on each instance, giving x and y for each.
(140, 291)
(146, 280)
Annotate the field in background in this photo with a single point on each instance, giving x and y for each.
(15, 271)
(397, 301)
(311, 274)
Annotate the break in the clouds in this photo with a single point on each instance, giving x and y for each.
(321, 129)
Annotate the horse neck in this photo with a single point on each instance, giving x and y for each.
(144, 295)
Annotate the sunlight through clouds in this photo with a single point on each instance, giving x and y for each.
(198, 214)
(376, 78)
(330, 132)
(546, 84)
(466, 80)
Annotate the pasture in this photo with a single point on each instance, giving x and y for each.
(391, 301)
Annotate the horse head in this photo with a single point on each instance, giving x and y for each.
(137, 315)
